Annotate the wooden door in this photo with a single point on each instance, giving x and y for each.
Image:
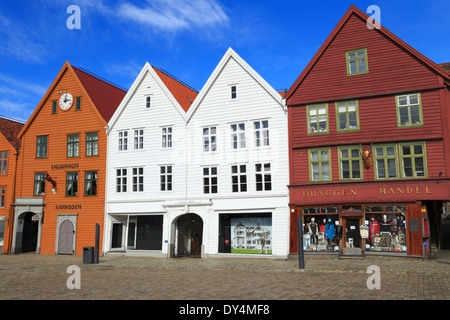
(66, 231)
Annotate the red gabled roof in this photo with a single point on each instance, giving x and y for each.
(184, 94)
(354, 10)
(10, 129)
(105, 96)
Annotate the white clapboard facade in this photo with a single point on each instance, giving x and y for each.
(220, 189)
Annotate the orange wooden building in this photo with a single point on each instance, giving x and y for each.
(61, 165)
(9, 146)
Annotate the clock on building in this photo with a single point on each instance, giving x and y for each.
(65, 102)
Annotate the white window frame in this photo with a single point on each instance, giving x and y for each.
(122, 140)
(235, 86)
(264, 173)
(208, 176)
(239, 134)
(240, 182)
(167, 137)
(262, 135)
(137, 179)
(148, 101)
(138, 139)
(121, 180)
(166, 176)
(208, 139)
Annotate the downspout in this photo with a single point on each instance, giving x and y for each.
(12, 208)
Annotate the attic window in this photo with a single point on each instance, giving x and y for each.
(357, 62)
(148, 102)
(233, 89)
(78, 103)
(54, 106)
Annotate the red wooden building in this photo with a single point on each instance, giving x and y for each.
(369, 121)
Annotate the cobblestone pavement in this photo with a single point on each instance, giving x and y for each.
(325, 277)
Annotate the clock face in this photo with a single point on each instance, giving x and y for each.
(65, 102)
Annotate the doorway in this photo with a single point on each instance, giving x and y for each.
(352, 235)
(29, 233)
(65, 237)
(189, 230)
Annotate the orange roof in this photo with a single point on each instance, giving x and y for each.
(183, 93)
(10, 129)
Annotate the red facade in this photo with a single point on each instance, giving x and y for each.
(392, 74)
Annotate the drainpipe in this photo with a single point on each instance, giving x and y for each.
(12, 208)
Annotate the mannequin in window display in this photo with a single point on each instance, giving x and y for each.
(314, 231)
(385, 230)
(374, 228)
(385, 224)
(329, 231)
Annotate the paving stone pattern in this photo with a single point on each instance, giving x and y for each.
(325, 277)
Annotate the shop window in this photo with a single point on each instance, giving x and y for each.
(92, 144)
(39, 184)
(166, 178)
(357, 62)
(387, 228)
(121, 180)
(317, 116)
(145, 232)
(350, 163)
(245, 233)
(263, 177)
(41, 147)
(167, 137)
(347, 116)
(138, 179)
(238, 136)
(210, 180)
(72, 184)
(413, 160)
(73, 145)
(385, 162)
(209, 139)
(3, 162)
(261, 133)
(409, 110)
(239, 178)
(90, 183)
(320, 229)
(123, 140)
(319, 164)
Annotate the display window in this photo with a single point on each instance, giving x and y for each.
(387, 228)
(245, 233)
(321, 229)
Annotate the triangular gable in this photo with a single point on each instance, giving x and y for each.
(10, 130)
(212, 78)
(88, 81)
(353, 10)
(170, 86)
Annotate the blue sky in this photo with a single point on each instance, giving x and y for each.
(185, 38)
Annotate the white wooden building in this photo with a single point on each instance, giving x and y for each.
(211, 177)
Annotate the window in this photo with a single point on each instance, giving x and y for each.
(210, 180)
(2, 197)
(413, 160)
(54, 106)
(166, 178)
(72, 184)
(121, 180)
(138, 139)
(238, 135)
(39, 184)
(148, 102)
(41, 147)
(357, 62)
(317, 119)
(78, 103)
(239, 178)
(3, 162)
(166, 137)
(350, 163)
(385, 162)
(319, 164)
(123, 140)
(347, 116)
(409, 110)
(209, 139)
(138, 179)
(263, 177)
(73, 145)
(261, 133)
(90, 183)
(233, 91)
(92, 144)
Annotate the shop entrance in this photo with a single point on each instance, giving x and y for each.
(29, 232)
(189, 230)
(352, 235)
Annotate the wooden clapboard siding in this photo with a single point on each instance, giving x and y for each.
(57, 126)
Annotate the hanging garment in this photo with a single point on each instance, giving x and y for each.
(329, 231)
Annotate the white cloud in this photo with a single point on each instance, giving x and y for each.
(175, 15)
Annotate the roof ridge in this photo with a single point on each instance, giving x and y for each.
(12, 119)
(176, 79)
